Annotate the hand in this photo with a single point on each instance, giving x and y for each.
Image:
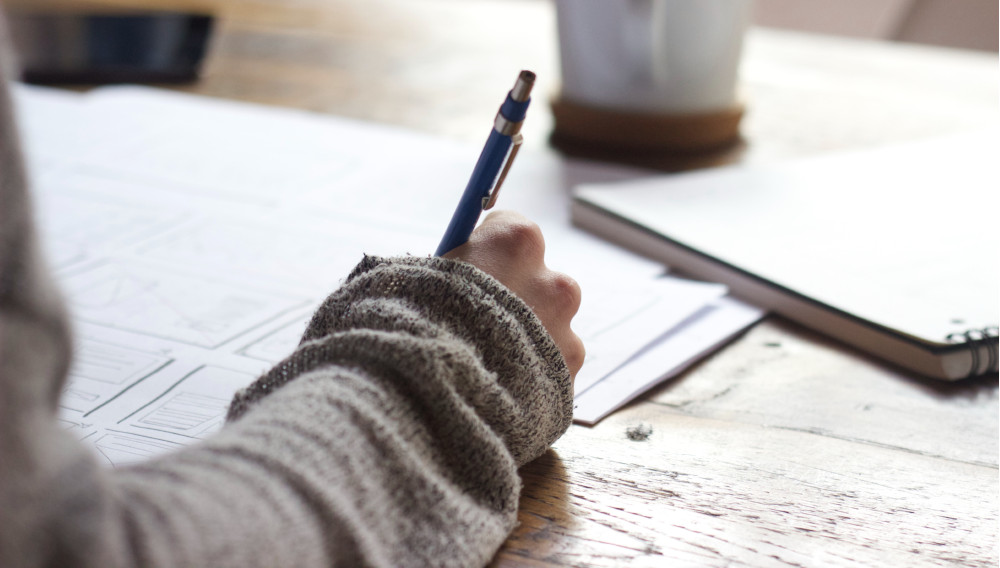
(511, 249)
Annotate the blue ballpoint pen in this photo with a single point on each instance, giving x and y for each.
(487, 177)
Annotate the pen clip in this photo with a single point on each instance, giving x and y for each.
(490, 200)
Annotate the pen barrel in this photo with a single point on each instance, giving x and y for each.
(470, 206)
(490, 166)
(514, 111)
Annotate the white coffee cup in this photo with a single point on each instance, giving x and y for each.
(654, 56)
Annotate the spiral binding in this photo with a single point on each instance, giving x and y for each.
(974, 338)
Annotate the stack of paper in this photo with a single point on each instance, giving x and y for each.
(194, 237)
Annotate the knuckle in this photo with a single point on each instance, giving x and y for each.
(566, 291)
(524, 238)
(574, 354)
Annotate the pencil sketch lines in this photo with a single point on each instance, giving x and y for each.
(114, 292)
(186, 412)
(119, 448)
(193, 406)
(153, 301)
(101, 372)
(278, 344)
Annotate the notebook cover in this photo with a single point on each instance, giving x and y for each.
(901, 240)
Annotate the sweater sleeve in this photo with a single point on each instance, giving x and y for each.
(391, 437)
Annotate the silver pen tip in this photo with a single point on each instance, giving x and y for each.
(522, 88)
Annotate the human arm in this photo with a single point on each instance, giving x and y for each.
(352, 460)
(391, 433)
(362, 456)
(388, 438)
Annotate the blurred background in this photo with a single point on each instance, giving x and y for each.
(970, 24)
(810, 77)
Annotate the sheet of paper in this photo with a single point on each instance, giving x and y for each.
(667, 357)
(50, 123)
(622, 320)
(193, 238)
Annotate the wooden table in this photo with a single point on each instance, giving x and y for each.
(783, 449)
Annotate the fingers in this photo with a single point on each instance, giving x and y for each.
(511, 248)
(560, 303)
(504, 238)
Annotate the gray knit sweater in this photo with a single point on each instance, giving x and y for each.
(392, 436)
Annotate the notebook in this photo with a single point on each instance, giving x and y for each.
(892, 250)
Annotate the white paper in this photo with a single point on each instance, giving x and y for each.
(666, 358)
(621, 320)
(193, 239)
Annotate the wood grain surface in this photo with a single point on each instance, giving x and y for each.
(784, 448)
